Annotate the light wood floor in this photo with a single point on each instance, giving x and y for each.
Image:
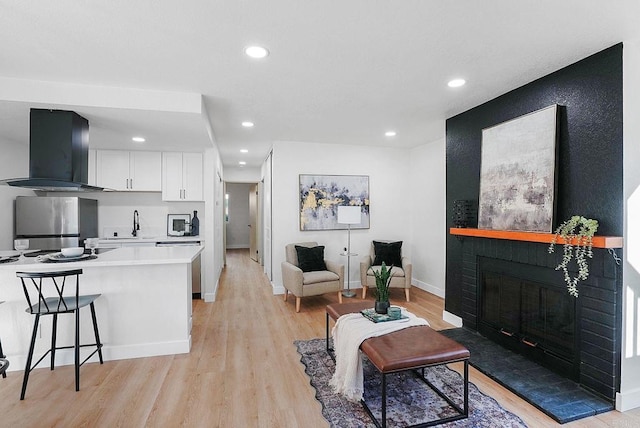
(243, 371)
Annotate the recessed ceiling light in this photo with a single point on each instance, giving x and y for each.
(390, 133)
(456, 83)
(138, 139)
(256, 51)
(242, 163)
(247, 124)
(244, 151)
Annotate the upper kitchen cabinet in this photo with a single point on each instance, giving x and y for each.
(129, 171)
(182, 176)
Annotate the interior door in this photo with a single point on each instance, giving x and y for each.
(253, 222)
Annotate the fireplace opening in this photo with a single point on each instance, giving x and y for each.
(522, 308)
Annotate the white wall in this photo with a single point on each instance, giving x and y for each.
(213, 255)
(14, 163)
(389, 188)
(239, 219)
(428, 222)
(629, 396)
(242, 175)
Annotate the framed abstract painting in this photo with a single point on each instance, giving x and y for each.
(321, 195)
(518, 173)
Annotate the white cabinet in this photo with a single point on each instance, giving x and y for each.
(182, 176)
(129, 171)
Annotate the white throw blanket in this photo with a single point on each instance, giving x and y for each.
(348, 333)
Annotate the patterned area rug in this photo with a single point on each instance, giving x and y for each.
(409, 400)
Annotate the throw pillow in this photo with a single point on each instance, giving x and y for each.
(387, 252)
(311, 258)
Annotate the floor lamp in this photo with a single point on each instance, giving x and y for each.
(349, 214)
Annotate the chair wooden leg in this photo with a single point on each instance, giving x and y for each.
(286, 293)
(364, 291)
(406, 293)
(339, 297)
(297, 304)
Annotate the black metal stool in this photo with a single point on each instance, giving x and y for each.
(57, 303)
(4, 363)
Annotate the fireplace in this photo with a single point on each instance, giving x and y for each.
(512, 294)
(523, 310)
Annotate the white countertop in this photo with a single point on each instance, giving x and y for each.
(150, 239)
(126, 256)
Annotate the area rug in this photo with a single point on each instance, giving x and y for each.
(409, 400)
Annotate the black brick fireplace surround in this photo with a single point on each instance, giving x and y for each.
(597, 309)
(589, 183)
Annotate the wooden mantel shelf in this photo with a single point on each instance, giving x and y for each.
(545, 238)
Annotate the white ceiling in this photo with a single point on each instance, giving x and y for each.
(339, 72)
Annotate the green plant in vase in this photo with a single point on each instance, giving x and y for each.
(383, 280)
(577, 233)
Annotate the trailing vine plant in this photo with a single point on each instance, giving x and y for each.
(577, 233)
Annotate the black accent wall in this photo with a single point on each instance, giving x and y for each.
(590, 149)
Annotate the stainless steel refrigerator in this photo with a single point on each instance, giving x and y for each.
(51, 223)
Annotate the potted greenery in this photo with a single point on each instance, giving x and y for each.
(383, 279)
(577, 233)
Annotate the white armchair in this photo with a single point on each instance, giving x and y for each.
(313, 282)
(400, 274)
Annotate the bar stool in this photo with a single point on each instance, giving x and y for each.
(4, 363)
(34, 284)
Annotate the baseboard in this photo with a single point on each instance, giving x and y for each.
(428, 288)
(354, 285)
(211, 296)
(65, 357)
(628, 400)
(277, 289)
(238, 247)
(452, 319)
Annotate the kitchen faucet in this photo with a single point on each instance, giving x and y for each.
(136, 223)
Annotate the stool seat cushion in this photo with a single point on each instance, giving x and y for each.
(411, 348)
(56, 305)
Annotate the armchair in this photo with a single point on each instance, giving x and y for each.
(390, 253)
(325, 276)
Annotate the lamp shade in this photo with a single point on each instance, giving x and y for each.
(349, 214)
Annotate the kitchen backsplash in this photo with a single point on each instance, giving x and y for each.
(115, 213)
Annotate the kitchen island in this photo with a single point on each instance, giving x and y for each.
(144, 310)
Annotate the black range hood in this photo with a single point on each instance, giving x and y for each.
(58, 153)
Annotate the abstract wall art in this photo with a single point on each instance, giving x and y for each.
(518, 173)
(320, 196)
